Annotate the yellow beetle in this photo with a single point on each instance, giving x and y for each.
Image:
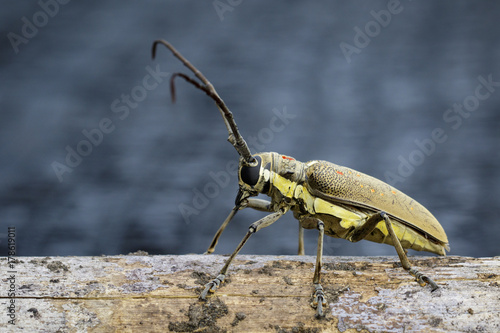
(338, 201)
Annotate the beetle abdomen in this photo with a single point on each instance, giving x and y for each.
(336, 183)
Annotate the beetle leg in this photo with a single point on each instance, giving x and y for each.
(366, 228)
(419, 277)
(254, 227)
(301, 250)
(215, 240)
(257, 204)
(319, 296)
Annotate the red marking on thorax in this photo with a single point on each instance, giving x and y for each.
(288, 158)
(340, 172)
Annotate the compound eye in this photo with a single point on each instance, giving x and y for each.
(250, 174)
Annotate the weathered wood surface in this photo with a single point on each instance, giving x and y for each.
(262, 294)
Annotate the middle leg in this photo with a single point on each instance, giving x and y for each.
(319, 300)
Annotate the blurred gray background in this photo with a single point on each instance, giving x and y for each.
(397, 90)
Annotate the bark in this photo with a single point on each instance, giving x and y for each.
(261, 293)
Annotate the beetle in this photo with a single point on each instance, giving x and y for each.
(337, 201)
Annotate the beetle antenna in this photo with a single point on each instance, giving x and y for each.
(235, 137)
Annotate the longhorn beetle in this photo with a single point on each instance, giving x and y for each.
(338, 201)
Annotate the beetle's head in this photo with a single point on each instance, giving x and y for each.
(256, 178)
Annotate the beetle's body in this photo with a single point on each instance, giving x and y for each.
(338, 201)
(344, 198)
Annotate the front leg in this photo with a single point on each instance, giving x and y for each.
(228, 219)
(257, 204)
(254, 227)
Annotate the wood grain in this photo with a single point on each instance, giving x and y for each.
(261, 294)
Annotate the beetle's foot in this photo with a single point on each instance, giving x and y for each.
(423, 279)
(319, 300)
(212, 286)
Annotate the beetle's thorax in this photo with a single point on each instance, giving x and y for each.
(258, 178)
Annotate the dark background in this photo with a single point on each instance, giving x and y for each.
(364, 111)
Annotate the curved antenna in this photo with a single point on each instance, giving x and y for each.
(235, 137)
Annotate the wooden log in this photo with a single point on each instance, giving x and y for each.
(142, 293)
